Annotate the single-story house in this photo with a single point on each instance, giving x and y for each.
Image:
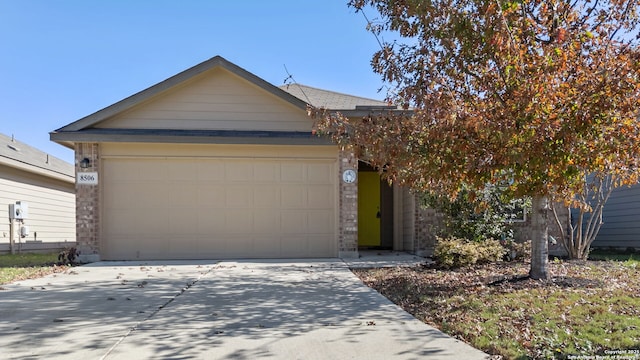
(37, 199)
(216, 162)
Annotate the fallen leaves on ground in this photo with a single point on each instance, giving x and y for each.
(587, 307)
(13, 274)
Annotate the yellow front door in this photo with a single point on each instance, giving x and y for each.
(368, 209)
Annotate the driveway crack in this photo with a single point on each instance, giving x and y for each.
(169, 301)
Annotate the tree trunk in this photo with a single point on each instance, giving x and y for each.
(539, 238)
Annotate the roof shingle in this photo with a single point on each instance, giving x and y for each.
(15, 150)
(330, 99)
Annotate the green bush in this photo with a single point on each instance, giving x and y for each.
(486, 215)
(454, 252)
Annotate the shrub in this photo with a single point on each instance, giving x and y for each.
(455, 252)
(517, 250)
(489, 216)
(68, 256)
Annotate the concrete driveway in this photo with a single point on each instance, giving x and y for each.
(212, 310)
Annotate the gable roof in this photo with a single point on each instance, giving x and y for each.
(16, 154)
(333, 100)
(161, 87)
(300, 96)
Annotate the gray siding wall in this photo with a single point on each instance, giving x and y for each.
(621, 217)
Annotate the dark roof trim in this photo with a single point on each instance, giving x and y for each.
(175, 80)
(191, 136)
(377, 112)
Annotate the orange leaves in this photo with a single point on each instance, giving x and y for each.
(504, 93)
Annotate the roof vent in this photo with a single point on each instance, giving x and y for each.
(12, 147)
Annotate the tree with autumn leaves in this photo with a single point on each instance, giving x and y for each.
(543, 96)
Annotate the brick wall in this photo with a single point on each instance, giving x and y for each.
(348, 207)
(87, 205)
(428, 221)
(523, 230)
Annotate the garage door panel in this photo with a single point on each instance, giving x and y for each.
(126, 170)
(126, 194)
(184, 194)
(227, 207)
(210, 170)
(154, 219)
(211, 195)
(293, 222)
(320, 173)
(184, 247)
(151, 247)
(266, 221)
(138, 247)
(118, 222)
(293, 197)
(238, 171)
(267, 247)
(297, 246)
(182, 222)
(239, 196)
(266, 172)
(266, 196)
(138, 195)
(320, 196)
(181, 170)
(238, 221)
(152, 170)
(320, 245)
(210, 221)
(291, 172)
(239, 246)
(319, 221)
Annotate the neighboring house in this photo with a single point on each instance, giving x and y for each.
(621, 219)
(44, 186)
(215, 162)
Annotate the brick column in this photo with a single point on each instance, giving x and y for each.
(348, 207)
(87, 205)
(427, 222)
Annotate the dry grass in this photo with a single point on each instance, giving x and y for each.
(28, 266)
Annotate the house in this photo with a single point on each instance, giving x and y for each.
(215, 162)
(37, 199)
(621, 228)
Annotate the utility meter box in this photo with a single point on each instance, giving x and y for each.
(19, 210)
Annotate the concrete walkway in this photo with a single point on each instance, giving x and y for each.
(212, 310)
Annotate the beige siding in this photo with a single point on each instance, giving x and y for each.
(51, 206)
(211, 201)
(215, 100)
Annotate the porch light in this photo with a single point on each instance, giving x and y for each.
(85, 163)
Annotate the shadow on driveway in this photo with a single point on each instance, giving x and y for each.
(212, 310)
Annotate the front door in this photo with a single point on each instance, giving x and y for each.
(368, 209)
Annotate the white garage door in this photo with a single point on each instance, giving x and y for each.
(196, 207)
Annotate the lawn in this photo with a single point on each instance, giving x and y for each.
(589, 308)
(27, 266)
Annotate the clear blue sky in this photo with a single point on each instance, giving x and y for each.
(61, 60)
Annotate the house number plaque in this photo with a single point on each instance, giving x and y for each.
(87, 178)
